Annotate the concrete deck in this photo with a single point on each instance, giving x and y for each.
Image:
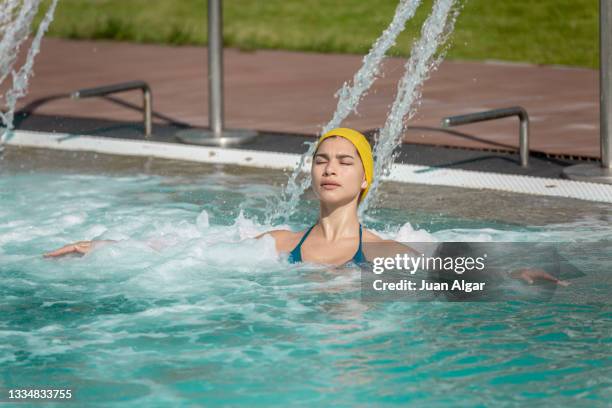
(290, 92)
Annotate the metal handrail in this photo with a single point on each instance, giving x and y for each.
(147, 98)
(498, 114)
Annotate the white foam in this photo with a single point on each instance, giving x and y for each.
(202, 221)
(407, 233)
(73, 219)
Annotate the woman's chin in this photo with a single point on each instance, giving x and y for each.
(332, 197)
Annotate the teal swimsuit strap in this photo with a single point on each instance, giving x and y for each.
(295, 256)
(359, 256)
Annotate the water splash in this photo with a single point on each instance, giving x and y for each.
(16, 17)
(349, 97)
(423, 60)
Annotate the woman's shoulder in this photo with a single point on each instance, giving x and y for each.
(370, 237)
(285, 240)
(391, 246)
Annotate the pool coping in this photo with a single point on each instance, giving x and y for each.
(401, 172)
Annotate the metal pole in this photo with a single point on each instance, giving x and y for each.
(218, 135)
(215, 67)
(605, 81)
(601, 173)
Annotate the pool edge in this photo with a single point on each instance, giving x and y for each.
(403, 173)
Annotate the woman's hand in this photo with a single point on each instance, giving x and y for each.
(530, 275)
(81, 247)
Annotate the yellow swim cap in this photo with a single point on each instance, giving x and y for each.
(363, 148)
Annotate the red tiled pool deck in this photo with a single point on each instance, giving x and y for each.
(293, 92)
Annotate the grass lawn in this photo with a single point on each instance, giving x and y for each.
(536, 31)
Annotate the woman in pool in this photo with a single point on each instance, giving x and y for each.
(342, 172)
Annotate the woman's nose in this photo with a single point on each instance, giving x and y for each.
(330, 168)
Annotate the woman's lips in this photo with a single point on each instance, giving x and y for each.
(329, 185)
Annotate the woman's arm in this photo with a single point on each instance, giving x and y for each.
(80, 247)
(531, 275)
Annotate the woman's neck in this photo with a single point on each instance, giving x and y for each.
(339, 222)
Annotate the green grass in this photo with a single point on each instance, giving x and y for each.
(537, 31)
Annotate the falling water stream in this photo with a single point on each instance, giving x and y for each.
(422, 61)
(349, 97)
(16, 17)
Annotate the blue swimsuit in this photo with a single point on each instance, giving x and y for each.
(295, 256)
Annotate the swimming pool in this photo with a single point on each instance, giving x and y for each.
(186, 310)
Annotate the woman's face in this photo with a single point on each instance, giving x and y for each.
(337, 171)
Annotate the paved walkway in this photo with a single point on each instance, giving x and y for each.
(293, 92)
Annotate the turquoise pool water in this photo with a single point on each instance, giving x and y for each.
(187, 310)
